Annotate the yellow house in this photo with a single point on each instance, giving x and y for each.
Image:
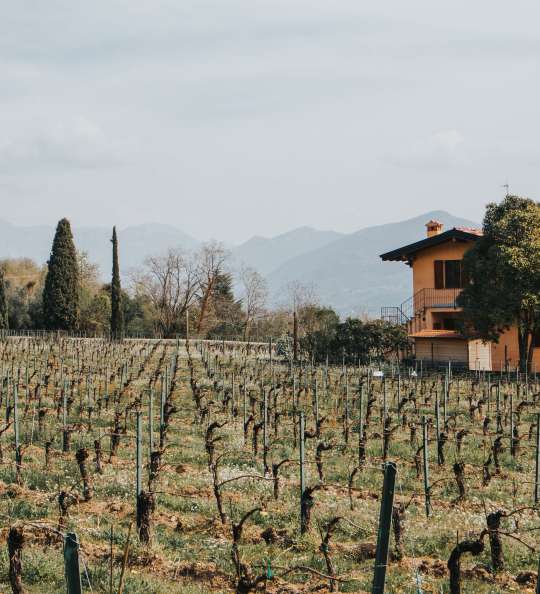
(431, 312)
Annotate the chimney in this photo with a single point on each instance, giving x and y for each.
(434, 228)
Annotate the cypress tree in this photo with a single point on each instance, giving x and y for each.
(117, 314)
(4, 323)
(61, 291)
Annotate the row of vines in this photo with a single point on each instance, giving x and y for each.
(190, 466)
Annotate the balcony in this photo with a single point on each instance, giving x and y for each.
(412, 311)
(435, 298)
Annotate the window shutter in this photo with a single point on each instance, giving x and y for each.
(439, 274)
(465, 279)
(452, 274)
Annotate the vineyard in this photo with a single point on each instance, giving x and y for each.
(149, 466)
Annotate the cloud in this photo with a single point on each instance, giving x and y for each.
(76, 143)
(297, 106)
(447, 140)
(441, 149)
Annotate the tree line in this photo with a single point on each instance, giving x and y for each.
(179, 293)
(171, 294)
(192, 293)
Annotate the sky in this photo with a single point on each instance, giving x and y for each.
(230, 118)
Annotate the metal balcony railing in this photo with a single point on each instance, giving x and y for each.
(414, 307)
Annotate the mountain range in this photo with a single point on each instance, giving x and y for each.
(348, 273)
(344, 269)
(136, 243)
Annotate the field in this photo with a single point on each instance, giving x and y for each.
(195, 446)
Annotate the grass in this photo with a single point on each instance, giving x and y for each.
(190, 550)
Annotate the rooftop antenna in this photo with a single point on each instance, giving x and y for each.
(507, 187)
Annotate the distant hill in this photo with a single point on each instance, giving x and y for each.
(266, 254)
(344, 269)
(348, 273)
(136, 243)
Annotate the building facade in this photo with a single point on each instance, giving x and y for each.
(431, 313)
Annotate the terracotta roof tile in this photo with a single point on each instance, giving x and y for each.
(472, 230)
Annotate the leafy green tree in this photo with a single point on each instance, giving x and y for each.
(117, 313)
(225, 317)
(19, 315)
(61, 291)
(503, 268)
(4, 320)
(23, 286)
(138, 318)
(319, 325)
(96, 316)
(355, 340)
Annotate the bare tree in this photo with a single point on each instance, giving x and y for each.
(303, 301)
(212, 258)
(255, 292)
(170, 283)
(88, 272)
(300, 295)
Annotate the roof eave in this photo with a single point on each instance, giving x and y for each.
(404, 253)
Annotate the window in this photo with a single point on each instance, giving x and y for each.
(449, 323)
(448, 274)
(452, 274)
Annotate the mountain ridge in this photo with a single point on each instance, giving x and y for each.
(343, 268)
(348, 273)
(266, 253)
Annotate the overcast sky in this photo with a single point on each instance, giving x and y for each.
(229, 118)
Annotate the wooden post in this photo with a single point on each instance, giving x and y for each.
(7, 396)
(437, 425)
(162, 408)
(426, 467)
(18, 453)
(301, 441)
(498, 406)
(489, 393)
(245, 403)
(124, 560)
(138, 454)
(385, 402)
(512, 449)
(151, 420)
(233, 407)
(445, 397)
(295, 336)
(265, 430)
(26, 386)
(316, 403)
(360, 422)
(346, 415)
(71, 564)
(16, 423)
(385, 522)
(537, 472)
(111, 561)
